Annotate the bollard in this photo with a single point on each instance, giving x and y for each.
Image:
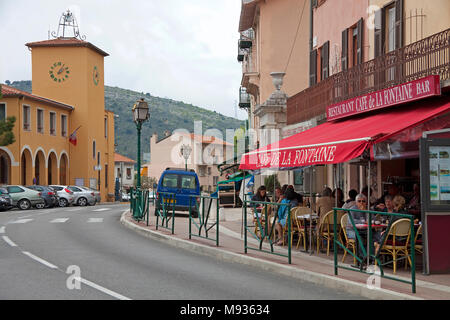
(222, 214)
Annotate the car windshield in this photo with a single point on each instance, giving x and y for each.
(188, 182)
(170, 181)
(3, 191)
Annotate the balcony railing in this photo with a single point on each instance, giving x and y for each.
(430, 56)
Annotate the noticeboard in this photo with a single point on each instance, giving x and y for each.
(435, 174)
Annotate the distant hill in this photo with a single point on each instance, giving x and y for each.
(165, 114)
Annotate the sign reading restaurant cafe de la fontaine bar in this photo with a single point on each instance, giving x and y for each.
(406, 92)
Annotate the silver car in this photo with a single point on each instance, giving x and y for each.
(65, 196)
(25, 198)
(82, 197)
(98, 197)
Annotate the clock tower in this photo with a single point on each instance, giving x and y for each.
(69, 69)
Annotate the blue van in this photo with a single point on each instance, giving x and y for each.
(180, 182)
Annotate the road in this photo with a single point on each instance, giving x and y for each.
(86, 253)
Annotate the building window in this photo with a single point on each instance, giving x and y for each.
(40, 121)
(52, 123)
(26, 118)
(93, 149)
(2, 111)
(106, 127)
(128, 173)
(64, 125)
(106, 176)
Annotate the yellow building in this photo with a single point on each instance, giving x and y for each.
(67, 97)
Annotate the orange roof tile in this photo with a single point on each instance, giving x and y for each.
(9, 92)
(66, 42)
(121, 158)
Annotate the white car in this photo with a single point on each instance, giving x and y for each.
(125, 196)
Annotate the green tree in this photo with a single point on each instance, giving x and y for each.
(6, 133)
(269, 182)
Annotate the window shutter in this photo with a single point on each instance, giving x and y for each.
(398, 24)
(359, 41)
(325, 60)
(344, 52)
(313, 67)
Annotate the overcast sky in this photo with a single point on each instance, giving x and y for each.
(183, 50)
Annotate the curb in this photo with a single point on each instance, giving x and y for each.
(331, 282)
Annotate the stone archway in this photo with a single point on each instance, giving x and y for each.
(5, 168)
(26, 168)
(39, 168)
(63, 165)
(52, 166)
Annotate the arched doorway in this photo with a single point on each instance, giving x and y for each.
(52, 165)
(39, 168)
(5, 168)
(63, 164)
(26, 168)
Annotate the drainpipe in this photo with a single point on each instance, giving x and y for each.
(311, 17)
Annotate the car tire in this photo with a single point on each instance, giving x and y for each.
(82, 202)
(63, 202)
(40, 206)
(24, 204)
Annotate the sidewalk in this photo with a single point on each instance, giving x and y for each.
(317, 268)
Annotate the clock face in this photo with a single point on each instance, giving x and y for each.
(96, 76)
(59, 72)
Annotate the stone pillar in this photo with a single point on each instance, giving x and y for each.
(272, 118)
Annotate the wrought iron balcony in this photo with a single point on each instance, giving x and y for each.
(420, 59)
(244, 98)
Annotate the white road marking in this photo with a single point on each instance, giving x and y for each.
(22, 221)
(101, 209)
(102, 289)
(73, 210)
(2, 230)
(46, 263)
(93, 220)
(59, 220)
(9, 241)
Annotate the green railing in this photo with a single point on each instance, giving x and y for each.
(165, 211)
(264, 232)
(139, 204)
(200, 208)
(367, 249)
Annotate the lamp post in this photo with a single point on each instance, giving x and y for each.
(140, 115)
(185, 152)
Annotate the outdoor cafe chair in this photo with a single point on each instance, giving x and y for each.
(418, 245)
(326, 229)
(395, 244)
(349, 243)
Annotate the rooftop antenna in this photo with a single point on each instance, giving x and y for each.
(68, 27)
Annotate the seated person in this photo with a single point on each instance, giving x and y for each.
(351, 201)
(414, 203)
(259, 196)
(337, 193)
(282, 217)
(298, 196)
(358, 218)
(325, 203)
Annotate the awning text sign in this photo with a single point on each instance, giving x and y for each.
(407, 92)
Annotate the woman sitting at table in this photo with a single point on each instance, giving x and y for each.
(283, 214)
(358, 218)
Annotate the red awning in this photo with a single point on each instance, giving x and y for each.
(341, 141)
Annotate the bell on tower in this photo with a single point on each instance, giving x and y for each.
(68, 27)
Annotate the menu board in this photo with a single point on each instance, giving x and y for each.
(439, 157)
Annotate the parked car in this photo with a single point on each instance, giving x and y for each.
(97, 195)
(125, 196)
(49, 195)
(82, 197)
(6, 202)
(65, 196)
(25, 198)
(183, 184)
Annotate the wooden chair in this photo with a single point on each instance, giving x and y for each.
(349, 243)
(293, 225)
(325, 230)
(418, 245)
(261, 218)
(395, 247)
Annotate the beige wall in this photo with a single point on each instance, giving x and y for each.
(436, 19)
(165, 153)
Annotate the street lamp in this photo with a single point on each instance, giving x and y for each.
(185, 152)
(140, 115)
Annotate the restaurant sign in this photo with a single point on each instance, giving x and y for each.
(406, 92)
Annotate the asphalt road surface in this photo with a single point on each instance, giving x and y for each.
(78, 253)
